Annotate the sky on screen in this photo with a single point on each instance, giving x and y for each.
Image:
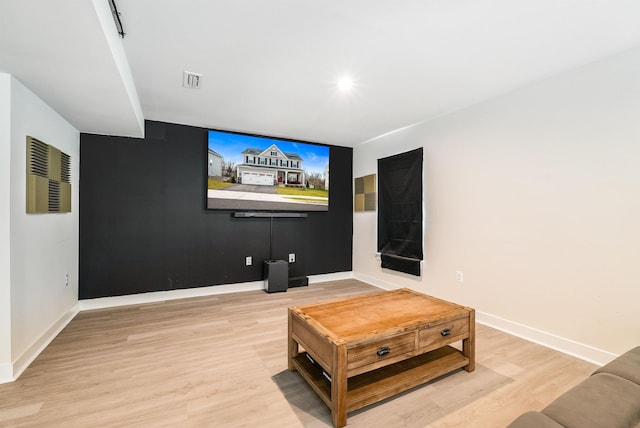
(230, 147)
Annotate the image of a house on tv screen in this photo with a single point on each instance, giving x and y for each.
(247, 172)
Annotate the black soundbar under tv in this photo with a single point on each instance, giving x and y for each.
(247, 214)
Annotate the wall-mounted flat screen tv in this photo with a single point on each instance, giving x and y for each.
(251, 172)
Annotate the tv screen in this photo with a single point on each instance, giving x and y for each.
(250, 172)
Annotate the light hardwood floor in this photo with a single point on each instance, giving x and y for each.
(221, 361)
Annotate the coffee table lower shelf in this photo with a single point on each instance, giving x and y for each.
(371, 387)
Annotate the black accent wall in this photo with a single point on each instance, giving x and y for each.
(144, 226)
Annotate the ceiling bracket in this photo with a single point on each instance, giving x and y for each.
(116, 17)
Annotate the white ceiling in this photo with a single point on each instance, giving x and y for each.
(70, 55)
(270, 67)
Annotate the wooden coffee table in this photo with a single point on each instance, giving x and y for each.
(363, 349)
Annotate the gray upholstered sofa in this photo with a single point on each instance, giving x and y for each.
(609, 398)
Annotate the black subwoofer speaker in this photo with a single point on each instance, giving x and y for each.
(276, 276)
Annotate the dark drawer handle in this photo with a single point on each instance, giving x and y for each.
(446, 332)
(383, 351)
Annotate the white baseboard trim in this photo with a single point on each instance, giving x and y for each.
(10, 372)
(161, 296)
(6, 373)
(549, 340)
(337, 276)
(375, 281)
(22, 362)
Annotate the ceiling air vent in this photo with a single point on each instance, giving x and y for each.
(191, 80)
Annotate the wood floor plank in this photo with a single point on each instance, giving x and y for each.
(221, 361)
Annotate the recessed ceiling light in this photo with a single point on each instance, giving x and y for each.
(345, 83)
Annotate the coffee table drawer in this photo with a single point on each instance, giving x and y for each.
(443, 334)
(382, 352)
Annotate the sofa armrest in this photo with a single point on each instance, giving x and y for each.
(534, 420)
(626, 366)
(601, 401)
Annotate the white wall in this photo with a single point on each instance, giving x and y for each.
(44, 247)
(535, 196)
(5, 253)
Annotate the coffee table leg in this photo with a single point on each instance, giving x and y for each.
(469, 345)
(293, 350)
(339, 386)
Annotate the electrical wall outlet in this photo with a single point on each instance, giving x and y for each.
(459, 276)
(292, 257)
(66, 279)
(248, 260)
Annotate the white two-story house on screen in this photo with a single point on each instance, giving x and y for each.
(270, 167)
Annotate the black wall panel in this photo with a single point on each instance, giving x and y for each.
(144, 226)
